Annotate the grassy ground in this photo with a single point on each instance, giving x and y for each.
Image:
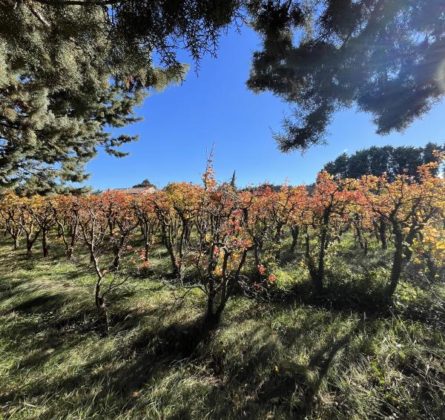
(292, 359)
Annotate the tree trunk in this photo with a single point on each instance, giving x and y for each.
(146, 250)
(171, 252)
(118, 252)
(382, 234)
(317, 280)
(210, 316)
(146, 235)
(432, 268)
(295, 231)
(256, 254)
(407, 251)
(70, 250)
(214, 310)
(29, 248)
(375, 230)
(29, 243)
(359, 237)
(397, 262)
(99, 299)
(44, 244)
(324, 240)
(101, 305)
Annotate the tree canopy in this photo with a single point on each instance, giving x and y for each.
(389, 160)
(385, 57)
(71, 69)
(144, 184)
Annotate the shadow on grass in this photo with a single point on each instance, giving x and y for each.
(144, 348)
(360, 299)
(344, 298)
(145, 356)
(138, 362)
(42, 303)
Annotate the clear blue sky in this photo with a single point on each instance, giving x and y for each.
(181, 124)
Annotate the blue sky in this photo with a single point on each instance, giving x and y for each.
(214, 107)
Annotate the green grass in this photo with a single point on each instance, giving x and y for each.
(292, 359)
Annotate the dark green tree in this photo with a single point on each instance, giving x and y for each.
(233, 180)
(385, 57)
(379, 160)
(144, 184)
(72, 69)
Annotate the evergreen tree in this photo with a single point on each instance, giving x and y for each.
(379, 160)
(71, 69)
(385, 57)
(144, 184)
(233, 180)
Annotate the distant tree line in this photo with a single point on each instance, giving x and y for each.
(388, 160)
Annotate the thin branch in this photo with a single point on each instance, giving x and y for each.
(79, 2)
(37, 14)
(113, 286)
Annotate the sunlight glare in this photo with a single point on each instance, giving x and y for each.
(440, 77)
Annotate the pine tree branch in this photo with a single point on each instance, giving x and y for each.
(79, 2)
(37, 14)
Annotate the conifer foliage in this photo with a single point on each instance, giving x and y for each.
(385, 57)
(70, 70)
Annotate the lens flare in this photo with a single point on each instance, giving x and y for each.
(440, 76)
